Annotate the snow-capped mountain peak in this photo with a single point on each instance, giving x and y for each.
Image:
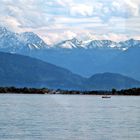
(14, 42)
(33, 39)
(90, 44)
(30, 41)
(101, 44)
(70, 44)
(130, 42)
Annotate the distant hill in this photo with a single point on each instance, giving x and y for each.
(85, 58)
(107, 81)
(18, 70)
(126, 63)
(21, 71)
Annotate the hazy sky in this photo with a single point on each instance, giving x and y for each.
(55, 20)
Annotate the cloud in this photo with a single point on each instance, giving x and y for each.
(27, 13)
(81, 10)
(55, 20)
(55, 37)
(125, 8)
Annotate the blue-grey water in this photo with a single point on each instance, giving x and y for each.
(69, 117)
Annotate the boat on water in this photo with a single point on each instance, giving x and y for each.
(106, 96)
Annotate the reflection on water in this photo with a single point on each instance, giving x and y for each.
(67, 117)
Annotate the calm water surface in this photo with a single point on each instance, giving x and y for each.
(69, 117)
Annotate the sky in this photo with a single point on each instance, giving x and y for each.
(56, 20)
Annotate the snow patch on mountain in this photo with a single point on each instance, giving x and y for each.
(98, 44)
(30, 41)
(14, 42)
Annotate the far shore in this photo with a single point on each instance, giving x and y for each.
(113, 92)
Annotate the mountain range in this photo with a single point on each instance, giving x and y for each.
(81, 57)
(20, 71)
(31, 41)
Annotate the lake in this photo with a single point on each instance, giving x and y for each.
(69, 117)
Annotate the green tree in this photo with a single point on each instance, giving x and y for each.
(114, 91)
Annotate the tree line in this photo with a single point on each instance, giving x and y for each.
(26, 90)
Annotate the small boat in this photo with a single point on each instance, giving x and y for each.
(106, 96)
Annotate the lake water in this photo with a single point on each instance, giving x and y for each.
(69, 117)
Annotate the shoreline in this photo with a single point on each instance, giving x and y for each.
(44, 91)
(64, 94)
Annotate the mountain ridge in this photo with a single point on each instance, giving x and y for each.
(106, 78)
(32, 38)
(98, 57)
(31, 71)
(23, 71)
